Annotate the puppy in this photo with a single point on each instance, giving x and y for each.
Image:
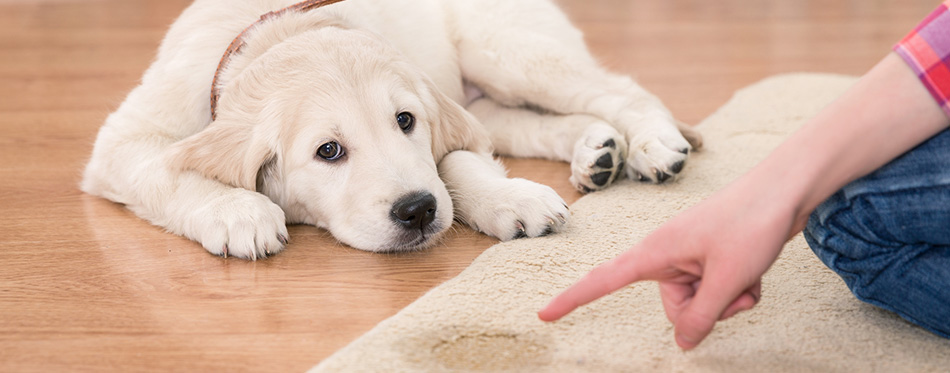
(350, 117)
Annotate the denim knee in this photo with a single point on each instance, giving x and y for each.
(888, 235)
(877, 243)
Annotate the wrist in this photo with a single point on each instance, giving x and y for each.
(788, 185)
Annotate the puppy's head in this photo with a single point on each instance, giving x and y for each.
(342, 132)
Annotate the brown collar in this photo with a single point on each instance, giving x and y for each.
(239, 42)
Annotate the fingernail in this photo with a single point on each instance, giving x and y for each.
(685, 342)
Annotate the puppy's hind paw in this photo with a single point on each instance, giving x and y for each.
(598, 158)
(658, 152)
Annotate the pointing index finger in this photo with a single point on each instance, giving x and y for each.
(602, 280)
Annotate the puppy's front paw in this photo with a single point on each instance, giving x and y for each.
(598, 158)
(657, 152)
(241, 223)
(518, 208)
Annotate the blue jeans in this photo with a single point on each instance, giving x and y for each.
(888, 235)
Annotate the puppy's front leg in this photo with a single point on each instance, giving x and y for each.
(227, 221)
(491, 203)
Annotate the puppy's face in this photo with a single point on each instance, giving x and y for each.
(357, 160)
(343, 134)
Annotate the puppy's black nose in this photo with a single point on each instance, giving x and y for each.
(414, 210)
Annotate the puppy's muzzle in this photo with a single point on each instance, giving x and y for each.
(414, 211)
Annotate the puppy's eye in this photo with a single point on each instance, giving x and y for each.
(330, 151)
(406, 121)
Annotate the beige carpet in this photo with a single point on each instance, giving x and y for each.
(485, 319)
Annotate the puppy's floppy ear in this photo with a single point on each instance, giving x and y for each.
(233, 154)
(456, 129)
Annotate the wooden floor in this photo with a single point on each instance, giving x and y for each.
(85, 285)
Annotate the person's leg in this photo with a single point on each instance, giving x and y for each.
(888, 235)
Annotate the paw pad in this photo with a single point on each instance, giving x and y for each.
(601, 179)
(605, 161)
(598, 158)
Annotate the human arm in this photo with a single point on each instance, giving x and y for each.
(710, 259)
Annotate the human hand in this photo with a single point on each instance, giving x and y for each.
(708, 261)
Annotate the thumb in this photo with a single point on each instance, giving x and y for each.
(697, 319)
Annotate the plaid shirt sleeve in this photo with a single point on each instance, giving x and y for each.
(927, 51)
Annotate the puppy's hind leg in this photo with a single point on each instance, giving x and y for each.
(595, 150)
(527, 53)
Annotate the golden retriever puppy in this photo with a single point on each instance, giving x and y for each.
(352, 117)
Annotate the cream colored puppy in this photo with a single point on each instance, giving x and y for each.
(349, 117)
